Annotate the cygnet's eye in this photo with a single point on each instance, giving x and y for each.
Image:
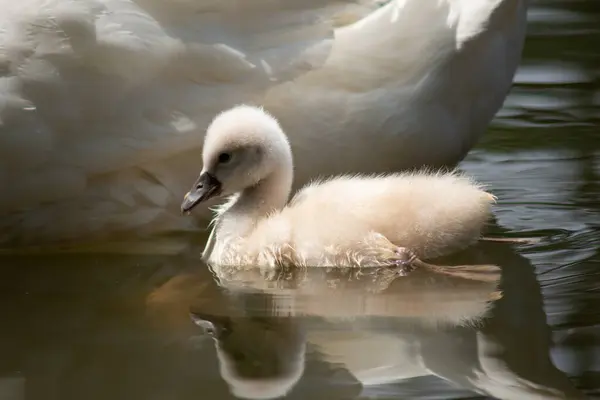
(224, 158)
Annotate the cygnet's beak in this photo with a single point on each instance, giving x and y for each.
(206, 187)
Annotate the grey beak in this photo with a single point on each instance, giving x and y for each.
(206, 187)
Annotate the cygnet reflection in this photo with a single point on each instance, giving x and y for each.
(259, 357)
(261, 345)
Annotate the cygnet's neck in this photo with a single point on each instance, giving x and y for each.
(268, 195)
(254, 203)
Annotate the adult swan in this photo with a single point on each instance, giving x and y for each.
(104, 103)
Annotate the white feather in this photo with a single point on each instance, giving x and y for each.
(99, 98)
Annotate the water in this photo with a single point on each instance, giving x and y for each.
(100, 326)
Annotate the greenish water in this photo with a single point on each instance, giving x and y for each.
(98, 326)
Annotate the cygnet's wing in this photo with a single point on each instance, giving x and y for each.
(430, 214)
(92, 89)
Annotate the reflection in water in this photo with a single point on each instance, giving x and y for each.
(259, 357)
(261, 350)
(119, 327)
(381, 331)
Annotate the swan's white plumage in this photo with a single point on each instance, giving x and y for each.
(103, 102)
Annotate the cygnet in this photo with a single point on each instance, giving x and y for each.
(390, 220)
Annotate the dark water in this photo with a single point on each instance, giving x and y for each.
(118, 326)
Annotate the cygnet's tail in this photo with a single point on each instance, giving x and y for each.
(482, 273)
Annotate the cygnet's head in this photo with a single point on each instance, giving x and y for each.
(243, 146)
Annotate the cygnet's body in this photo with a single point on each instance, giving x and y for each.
(349, 221)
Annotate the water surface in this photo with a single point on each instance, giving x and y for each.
(118, 326)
